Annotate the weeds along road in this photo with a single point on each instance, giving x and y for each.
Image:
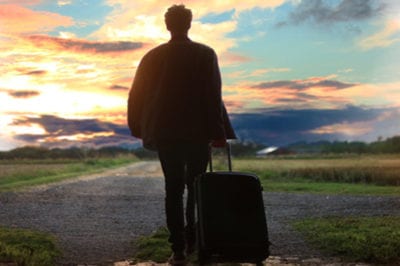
(96, 218)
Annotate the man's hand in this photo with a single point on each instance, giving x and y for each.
(218, 143)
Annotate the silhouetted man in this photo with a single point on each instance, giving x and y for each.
(175, 107)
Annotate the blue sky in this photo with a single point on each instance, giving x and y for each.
(292, 70)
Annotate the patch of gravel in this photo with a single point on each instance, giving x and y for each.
(97, 218)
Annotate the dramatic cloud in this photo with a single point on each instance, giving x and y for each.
(119, 87)
(268, 126)
(281, 127)
(198, 7)
(387, 36)
(61, 132)
(315, 92)
(144, 20)
(233, 58)
(23, 94)
(35, 73)
(297, 98)
(249, 74)
(81, 65)
(83, 45)
(61, 126)
(20, 2)
(18, 19)
(323, 12)
(305, 84)
(20, 93)
(64, 2)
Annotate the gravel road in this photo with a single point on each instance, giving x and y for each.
(96, 218)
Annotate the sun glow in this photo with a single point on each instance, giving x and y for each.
(63, 69)
(80, 136)
(349, 129)
(31, 129)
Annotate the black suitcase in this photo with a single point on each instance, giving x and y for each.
(231, 222)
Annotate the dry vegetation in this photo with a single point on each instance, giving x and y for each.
(379, 170)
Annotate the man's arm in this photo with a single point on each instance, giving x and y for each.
(135, 101)
(214, 100)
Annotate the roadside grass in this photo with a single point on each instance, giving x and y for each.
(367, 239)
(354, 239)
(17, 174)
(305, 186)
(154, 247)
(356, 174)
(28, 248)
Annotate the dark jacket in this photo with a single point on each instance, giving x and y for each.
(176, 95)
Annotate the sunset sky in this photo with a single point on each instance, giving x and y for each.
(292, 70)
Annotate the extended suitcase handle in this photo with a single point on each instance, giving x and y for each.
(228, 151)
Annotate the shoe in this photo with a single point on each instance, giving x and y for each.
(177, 258)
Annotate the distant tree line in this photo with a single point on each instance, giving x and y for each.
(239, 148)
(390, 145)
(36, 152)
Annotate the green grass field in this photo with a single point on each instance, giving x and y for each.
(358, 239)
(353, 239)
(30, 248)
(17, 174)
(368, 239)
(369, 175)
(358, 175)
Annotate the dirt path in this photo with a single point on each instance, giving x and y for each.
(96, 218)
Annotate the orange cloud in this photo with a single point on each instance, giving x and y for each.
(23, 94)
(383, 94)
(20, 2)
(345, 128)
(245, 74)
(234, 58)
(18, 19)
(300, 85)
(144, 20)
(71, 66)
(199, 8)
(314, 92)
(77, 45)
(386, 37)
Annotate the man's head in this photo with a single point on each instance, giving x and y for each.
(178, 19)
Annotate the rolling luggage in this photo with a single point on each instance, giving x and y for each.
(231, 222)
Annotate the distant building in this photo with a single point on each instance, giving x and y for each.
(266, 151)
(274, 151)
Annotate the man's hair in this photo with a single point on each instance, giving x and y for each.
(178, 18)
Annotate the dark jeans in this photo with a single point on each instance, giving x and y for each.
(181, 163)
